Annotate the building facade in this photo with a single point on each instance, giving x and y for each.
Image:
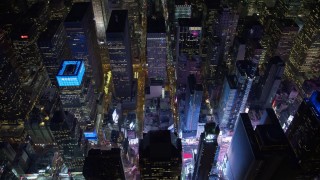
(303, 135)
(53, 47)
(118, 42)
(160, 155)
(157, 48)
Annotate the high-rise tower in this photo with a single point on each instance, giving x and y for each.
(304, 135)
(207, 150)
(160, 155)
(270, 82)
(156, 48)
(193, 104)
(53, 48)
(82, 40)
(304, 56)
(260, 153)
(104, 164)
(118, 42)
(14, 102)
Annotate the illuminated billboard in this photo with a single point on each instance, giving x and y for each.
(71, 73)
(91, 135)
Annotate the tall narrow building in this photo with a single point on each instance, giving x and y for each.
(193, 104)
(82, 40)
(101, 15)
(304, 61)
(260, 153)
(270, 82)
(227, 100)
(53, 48)
(207, 150)
(278, 38)
(189, 33)
(157, 48)
(235, 94)
(65, 129)
(304, 135)
(76, 92)
(225, 29)
(14, 102)
(118, 42)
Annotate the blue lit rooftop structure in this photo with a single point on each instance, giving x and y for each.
(71, 73)
(314, 101)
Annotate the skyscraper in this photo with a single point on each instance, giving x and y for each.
(104, 164)
(289, 31)
(76, 91)
(160, 155)
(304, 135)
(304, 55)
(225, 29)
(14, 102)
(227, 100)
(188, 40)
(65, 129)
(278, 38)
(235, 94)
(53, 48)
(288, 9)
(193, 103)
(156, 48)
(82, 40)
(25, 34)
(29, 66)
(189, 33)
(207, 150)
(269, 83)
(182, 9)
(118, 42)
(101, 15)
(263, 153)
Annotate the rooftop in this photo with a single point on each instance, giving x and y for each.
(276, 60)
(117, 21)
(160, 145)
(182, 2)
(190, 22)
(289, 23)
(36, 10)
(70, 68)
(271, 137)
(193, 85)
(232, 81)
(103, 164)
(245, 67)
(211, 4)
(156, 25)
(50, 31)
(77, 12)
(11, 131)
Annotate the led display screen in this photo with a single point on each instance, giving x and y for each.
(90, 135)
(71, 73)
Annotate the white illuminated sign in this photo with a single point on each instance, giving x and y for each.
(115, 116)
(210, 137)
(131, 126)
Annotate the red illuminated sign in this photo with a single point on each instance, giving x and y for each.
(24, 37)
